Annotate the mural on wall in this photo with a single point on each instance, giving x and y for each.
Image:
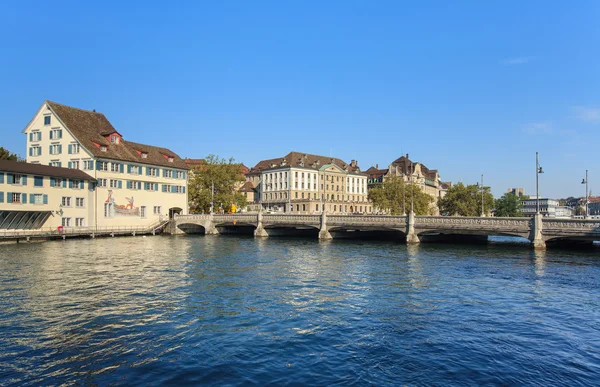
(120, 209)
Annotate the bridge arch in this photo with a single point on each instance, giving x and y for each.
(191, 228)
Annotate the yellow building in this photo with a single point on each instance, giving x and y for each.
(34, 196)
(302, 183)
(136, 183)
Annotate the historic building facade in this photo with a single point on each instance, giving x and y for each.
(428, 180)
(35, 195)
(136, 183)
(308, 184)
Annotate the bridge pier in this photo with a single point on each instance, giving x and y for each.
(536, 230)
(260, 231)
(411, 235)
(324, 234)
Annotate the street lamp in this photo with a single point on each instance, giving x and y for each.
(538, 170)
(482, 192)
(587, 195)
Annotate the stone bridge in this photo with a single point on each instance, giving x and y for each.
(414, 228)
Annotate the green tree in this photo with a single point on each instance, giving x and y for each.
(509, 205)
(465, 200)
(226, 175)
(395, 197)
(5, 154)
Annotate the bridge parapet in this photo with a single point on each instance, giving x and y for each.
(291, 219)
(472, 221)
(236, 218)
(589, 225)
(385, 221)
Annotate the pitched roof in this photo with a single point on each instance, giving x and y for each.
(42, 170)
(247, 187)
(305, 160)
(375, 173)
(406, 166)
(90, 129)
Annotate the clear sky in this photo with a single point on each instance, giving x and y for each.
(466, 87)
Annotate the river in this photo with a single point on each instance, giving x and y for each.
(238, 311)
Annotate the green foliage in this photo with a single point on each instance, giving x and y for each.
(509, 205)
(461, 200)
(395, 197)
(227, 177)
(5, 154)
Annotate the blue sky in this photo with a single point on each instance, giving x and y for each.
(466, 87)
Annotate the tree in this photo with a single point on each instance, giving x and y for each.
(226, 175)
(395, 197)
(461, 200)
(5, 154)
(509, 205)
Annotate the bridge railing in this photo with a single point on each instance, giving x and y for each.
(292, 219)
(571, 224)
(242, 218)
(433, 221)
(335, 220)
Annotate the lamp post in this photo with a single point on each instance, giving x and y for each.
(482, 191)
(538, 170)
(212, 200)
(587, 195)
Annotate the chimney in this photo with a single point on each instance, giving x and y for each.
(376, 166)
(354, 163)
(407, 156)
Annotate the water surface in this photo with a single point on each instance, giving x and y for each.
(239, 311)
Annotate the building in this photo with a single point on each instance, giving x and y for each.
(517, 191)
(564, 212)
(136, 183)
(35, 195)
(547, 207)
(302, 183)
(428, 180)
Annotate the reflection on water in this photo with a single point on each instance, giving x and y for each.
(216, 310)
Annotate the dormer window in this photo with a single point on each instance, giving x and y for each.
(170, 159)
(103, 148)
(114, 139)
(144, 155)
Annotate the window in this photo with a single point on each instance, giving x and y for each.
(76, 184)
(79, 222)
(115, 183)
(66, 201)
(180, 175)
(55, 149)
(114, 139)
(170, 159)
(55, 163)
(102, 183)
(88, 165)
(152, 171)
(143, 211)
(103, 148)
(144, 155)
(74, 164)
(157, 210)
(168, 173)
(47, 120)
(74, 148)
(80, 202)
(66, 222)
(35, 136)
(38, 181)
(16, 198)
(115, 167)
(107, 212)
(35, 151)
(102, 165)
(151, 186)
(18, 180)
(38, 199)
(137, 185)
(177, 188)
(55, 134)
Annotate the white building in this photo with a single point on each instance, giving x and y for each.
(547, 207)
(136, 183)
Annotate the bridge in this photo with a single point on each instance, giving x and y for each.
(413, 228)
